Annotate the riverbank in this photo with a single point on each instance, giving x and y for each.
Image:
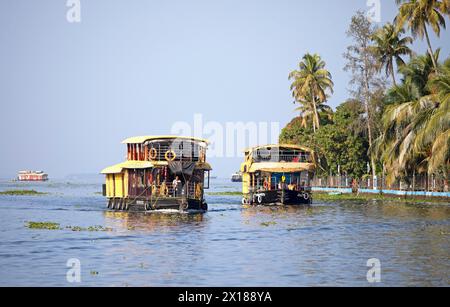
(337, 196)
(380, 197)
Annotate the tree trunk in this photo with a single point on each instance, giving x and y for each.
(369, 127)
(430, 49)
(393, 75)
(316, 115)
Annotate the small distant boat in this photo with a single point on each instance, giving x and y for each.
(236, 177)
(32, 176)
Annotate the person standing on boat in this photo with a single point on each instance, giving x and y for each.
(176, 184)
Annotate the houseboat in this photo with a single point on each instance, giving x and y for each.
(277, 175)
(236, 177)
(32, 176)
(161, 172)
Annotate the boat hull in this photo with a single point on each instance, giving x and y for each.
(147, 205)
(280, 197)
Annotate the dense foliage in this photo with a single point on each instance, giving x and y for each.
(401, 129)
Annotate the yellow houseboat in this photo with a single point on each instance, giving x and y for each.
(161, 172)
(277, 175)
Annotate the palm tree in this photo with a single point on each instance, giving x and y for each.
(307, 113)
(436, 132)
(390, 47)
(311, 83)
(419, 70)
(407, 91)
(418, 14)
(401, 124)
(416, 130)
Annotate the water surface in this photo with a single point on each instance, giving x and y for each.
(325, 245)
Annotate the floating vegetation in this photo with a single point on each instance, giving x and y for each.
(44, 225)
(21, 192)
(236, 193)
(57, 226)
(267, 224)
(90, 228)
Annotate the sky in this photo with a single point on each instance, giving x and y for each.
(70, 92)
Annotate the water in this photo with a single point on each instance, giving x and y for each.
(326, 245)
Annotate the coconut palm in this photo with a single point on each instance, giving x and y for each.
(435, 134)
(390, 47)
(419, 70)
(307, 112)
(311, 83)
(405, 92)
(418, 14)
(416, 133)
(396, 143)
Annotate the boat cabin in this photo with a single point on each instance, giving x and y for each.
(277, 174)
(160, 172)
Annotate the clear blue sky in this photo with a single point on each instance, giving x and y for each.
(71, 92)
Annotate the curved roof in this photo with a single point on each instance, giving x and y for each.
(142, 139)
(278, 167)
(278, 146)
(116, 169)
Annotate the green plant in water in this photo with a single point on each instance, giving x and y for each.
(90, 228)
(21, 192)
(267, 224)
(43, 225)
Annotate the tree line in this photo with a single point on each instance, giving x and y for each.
(396, 121)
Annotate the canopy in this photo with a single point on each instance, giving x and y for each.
(281, 167)
(287, 146)
(116, 169)
(143, 139)
(203, 166)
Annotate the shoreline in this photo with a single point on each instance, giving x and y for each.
(361, 197)
(380, 196)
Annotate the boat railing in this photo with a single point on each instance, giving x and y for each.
(159, 152)
(275, 187)
(188, 190)
(301, 158)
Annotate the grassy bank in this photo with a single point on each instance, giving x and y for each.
(385, 197)
(317, 196)
(21, 192)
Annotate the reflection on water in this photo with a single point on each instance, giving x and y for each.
(327, 244)
(152, 221)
